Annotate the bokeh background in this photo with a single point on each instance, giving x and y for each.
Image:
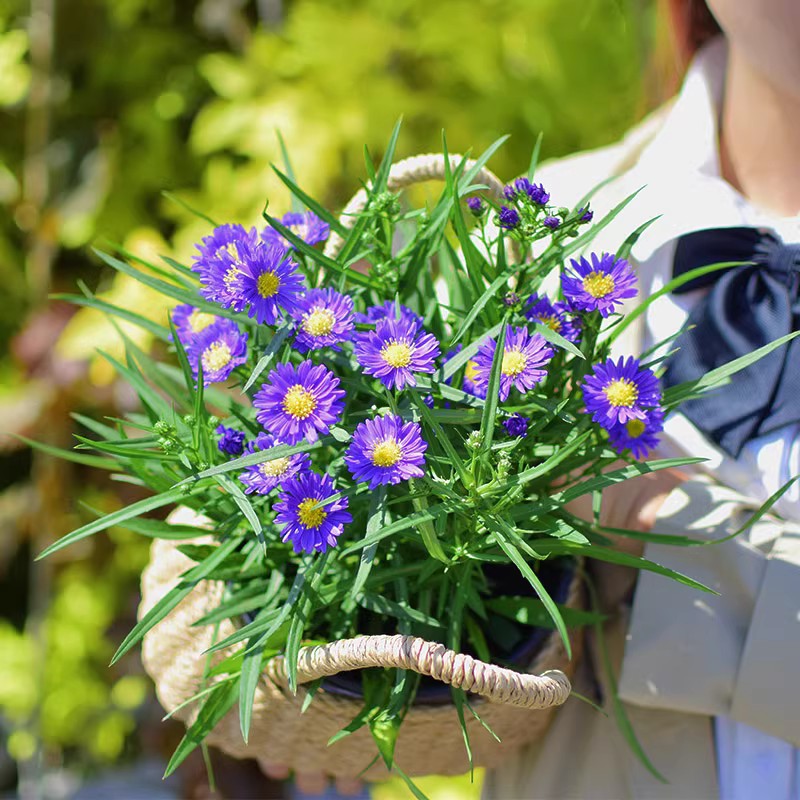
(104, 104)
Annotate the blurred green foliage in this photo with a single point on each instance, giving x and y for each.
(188, 96)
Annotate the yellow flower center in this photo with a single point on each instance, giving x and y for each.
(215, 357)
(230, 276)
(635, 428)
(471, 370)
(552, 322)
(514, 362)
(268, 284)
(310, 514)
(621, 392)
(298, 402)
(386, 453)
(274, 468)
(397, 354)
(598, 284)
(319, 322)
(200, 320)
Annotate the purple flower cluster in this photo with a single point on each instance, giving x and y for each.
(217, 350)
(264, 477)
(307, 226)
(522, 187)
(508, 218)
(625, 399)
(385, 450)
(299, 403)
(600, 285)
(516, 425)
(230, 442)
(239, 269)
(324, 318)
(395, 350)
(524, 358)
(389, 310)
(556, 316)
(312, 513)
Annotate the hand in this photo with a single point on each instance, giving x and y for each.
(312, 782)
(631, 504)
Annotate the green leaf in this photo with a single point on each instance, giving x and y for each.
(479, 305)
(547, 333)
(165, 605)
(535, 156)
(159, 331)
(384, 606)
(640, 308)
(274, 345)
(116, 518)
(376, 520)
(488, 418)
(531, 611)
(501, 534)
(310, 203)
(683, 391)
(214, 709)
(69, 455)
(382, 176)
(260, 457)
(183, 204)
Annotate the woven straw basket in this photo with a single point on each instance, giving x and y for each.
(517, 706)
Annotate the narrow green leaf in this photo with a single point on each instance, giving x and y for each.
(69, 455)
(275, 344)
(535, 156)
(214, 709)
(116, 518)
(183, 204)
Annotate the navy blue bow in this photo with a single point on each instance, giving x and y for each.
(745, 308)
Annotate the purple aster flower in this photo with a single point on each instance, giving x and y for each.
(551, 222)
(230, 442)
(307, 226)
(189, 321)
(311, 524)
(395, 350)
(222, 255)
(220, 348)
(516, 425)
(601, 285)
(640, 436)
(508, 218)
(386, 450)
(324, 318)
(264, 477)
(585, 214)
(388, 311)
(556, 316)
(618, 392)
(511, 299)
(269, 281)
(470, 383)
(524, 355)
(428, 400)
(538, 194)
(475, 205)
(299, 403)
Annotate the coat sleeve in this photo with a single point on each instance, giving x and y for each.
(736, 653)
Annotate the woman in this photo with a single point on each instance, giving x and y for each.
(708, 682)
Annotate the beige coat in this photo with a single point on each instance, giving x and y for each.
(681, 656)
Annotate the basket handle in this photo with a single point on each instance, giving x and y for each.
(497, 684)
(417, 169)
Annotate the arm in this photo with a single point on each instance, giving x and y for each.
(736, 653)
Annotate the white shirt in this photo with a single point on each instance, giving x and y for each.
(681, 172)
(682, 166)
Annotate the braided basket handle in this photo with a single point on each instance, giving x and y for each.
(496, 684)
(417, 169)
